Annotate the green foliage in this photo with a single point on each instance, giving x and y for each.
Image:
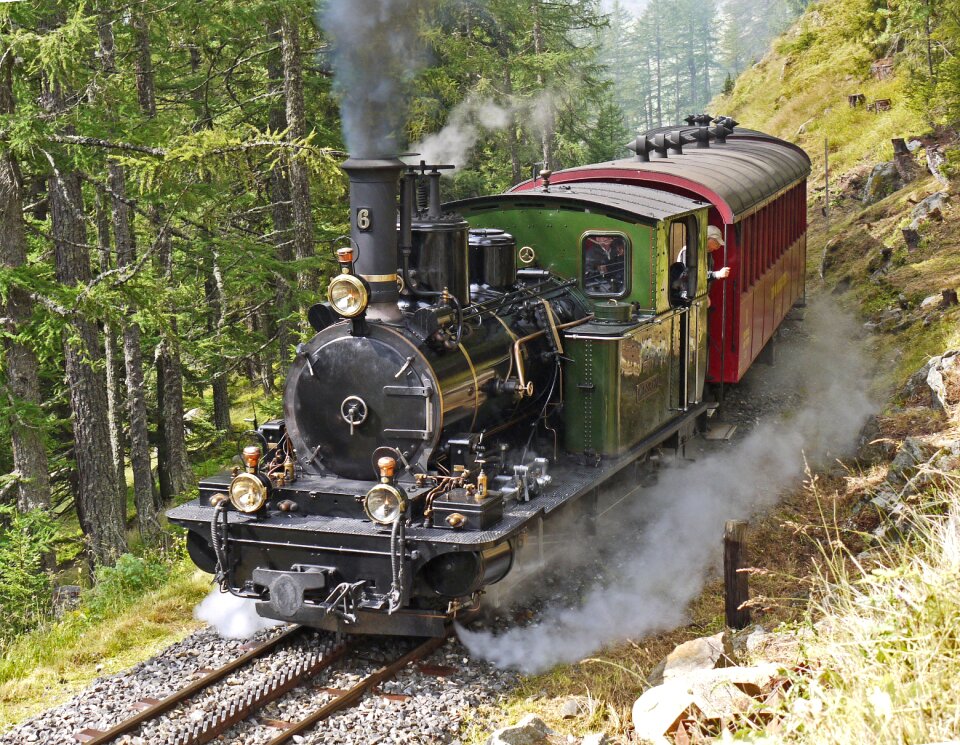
(728, 85)
(118, 586)
(26, 542)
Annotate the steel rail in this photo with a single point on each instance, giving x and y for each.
(354, 694)
(98, 737)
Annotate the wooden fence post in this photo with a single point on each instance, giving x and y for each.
(736, 591)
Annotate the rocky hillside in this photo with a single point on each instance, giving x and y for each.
(854, 588)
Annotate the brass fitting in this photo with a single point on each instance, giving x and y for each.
(251, 457)
(388, 467)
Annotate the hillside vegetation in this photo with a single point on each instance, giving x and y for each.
(799, 90)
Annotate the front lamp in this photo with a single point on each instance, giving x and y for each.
(348, 295)
(384, 504)
(248, 492)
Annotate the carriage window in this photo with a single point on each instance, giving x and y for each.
(606, 261)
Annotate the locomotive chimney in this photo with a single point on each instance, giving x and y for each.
(373, 229)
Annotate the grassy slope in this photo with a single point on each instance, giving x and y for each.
(48, 666)
(803, 82)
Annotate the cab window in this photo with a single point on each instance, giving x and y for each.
(606, 264)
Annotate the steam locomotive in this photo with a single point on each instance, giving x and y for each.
(483, 366)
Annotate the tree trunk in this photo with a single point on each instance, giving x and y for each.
(216, 303)
(516, 169)
(23, 381)
(298, 170)
(112, 365)
(101, 515)
(173, 468)
(658, 38)
(281, 206)
(546, 136)
(147, 519)
(143, 66)
(105, 33)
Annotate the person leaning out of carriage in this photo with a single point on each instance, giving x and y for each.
(714, 243)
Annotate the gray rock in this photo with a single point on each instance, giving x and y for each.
(571, 708)
(930, 208)
(882, 182)
(916, 384)
(596, 738)
(931, 301)
(943, 379)
(935, 162)
(705, 653)
(531, 730)
(911, 455)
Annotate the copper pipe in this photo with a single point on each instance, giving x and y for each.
(518, 360)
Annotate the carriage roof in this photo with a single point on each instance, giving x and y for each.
(737, 176)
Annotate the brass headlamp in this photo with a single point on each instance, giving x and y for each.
(249, 492)
(347, 293)
(385, 503)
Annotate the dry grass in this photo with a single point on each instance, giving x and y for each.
(886, 652)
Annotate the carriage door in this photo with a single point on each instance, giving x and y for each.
(685, 277)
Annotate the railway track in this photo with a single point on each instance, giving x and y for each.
(242, 700)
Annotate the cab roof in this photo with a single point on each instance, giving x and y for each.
(622, 200)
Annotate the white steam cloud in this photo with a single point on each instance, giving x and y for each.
(232, 617)
(475, 116)
(672, 542)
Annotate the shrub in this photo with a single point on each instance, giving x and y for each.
(26, 538)
(117, 586)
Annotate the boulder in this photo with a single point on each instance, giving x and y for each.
(915, 390)
(935, 163)
(911, 456)
(705, 653)
(931, 208)
(531, 730)
(66, 598)
(701, 694)
(882, 182)
(597, 738)
(574, 706)
(659, 711)
(943, 379)
(872, 446)
(930, 302)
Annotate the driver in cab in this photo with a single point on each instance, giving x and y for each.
(604, 263)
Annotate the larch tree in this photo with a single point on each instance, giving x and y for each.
(21, 369)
